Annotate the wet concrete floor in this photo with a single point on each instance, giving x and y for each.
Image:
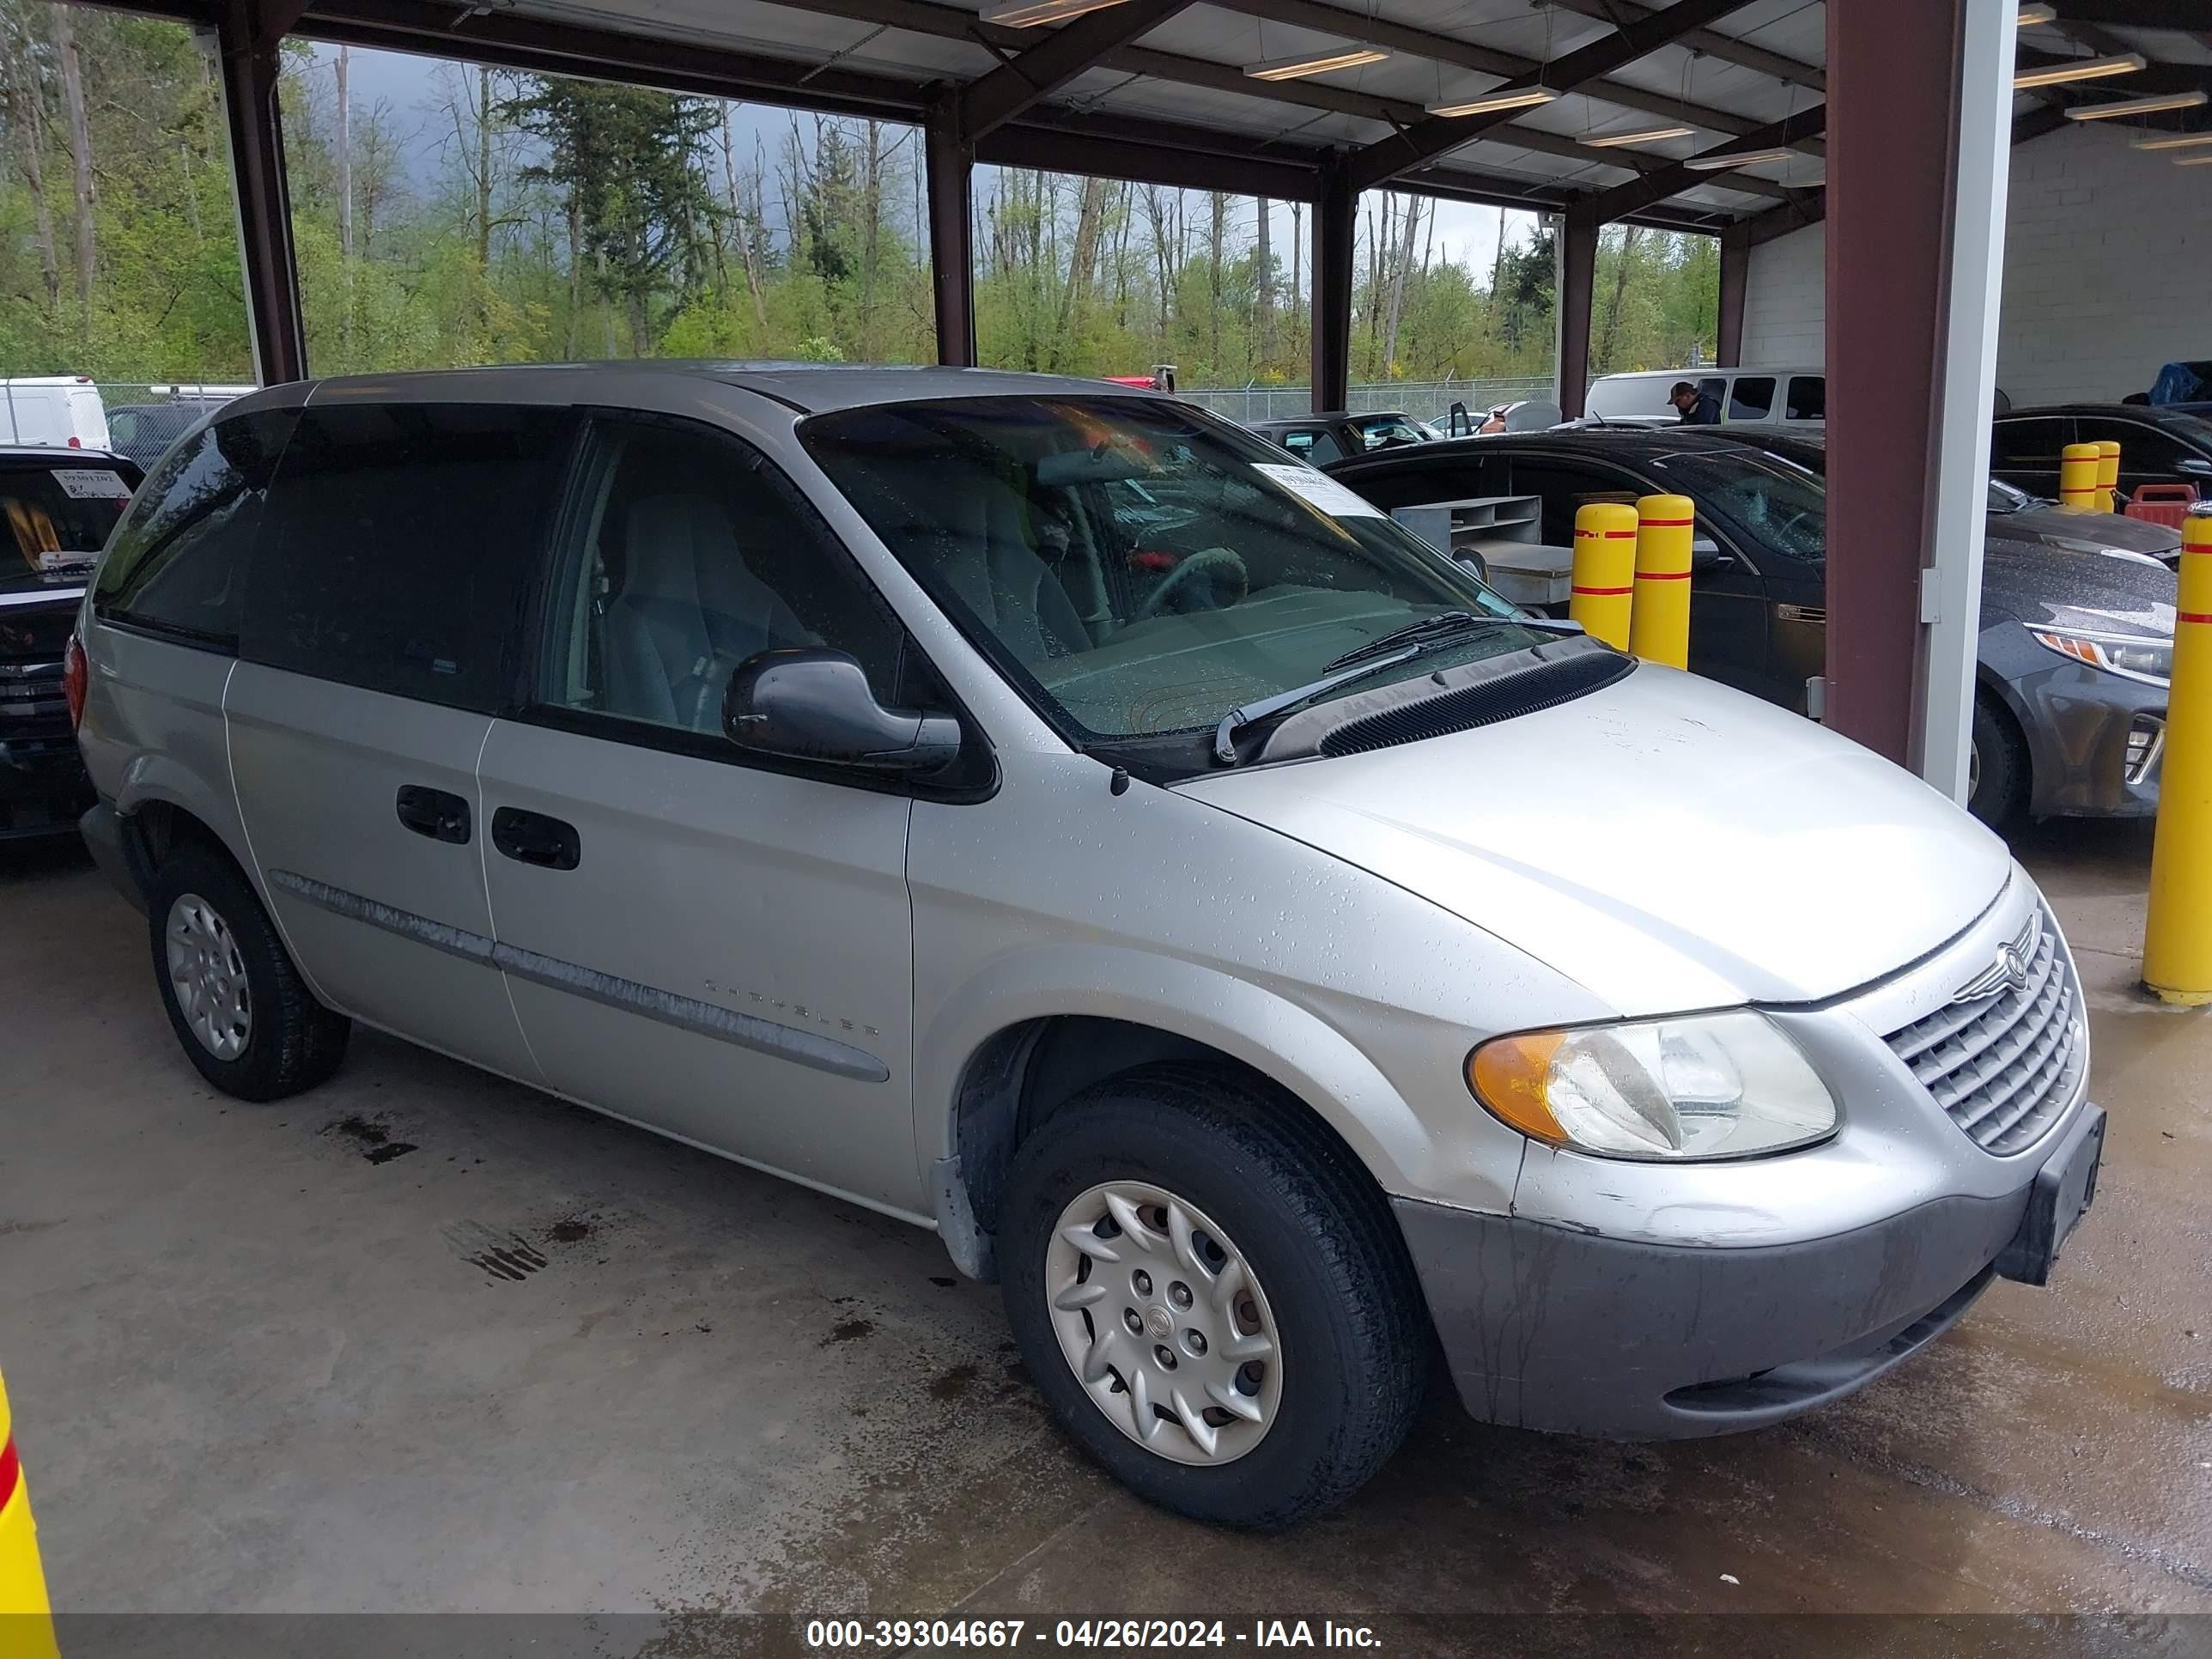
(422, 1341)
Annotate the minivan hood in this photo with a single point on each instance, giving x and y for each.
(1667, 843)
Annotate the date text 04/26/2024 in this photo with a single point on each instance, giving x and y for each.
(835, 1635)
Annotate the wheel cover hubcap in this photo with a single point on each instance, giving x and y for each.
(1164, 1323)
(208, 974)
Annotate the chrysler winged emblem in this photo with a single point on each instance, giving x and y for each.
(2008, 973)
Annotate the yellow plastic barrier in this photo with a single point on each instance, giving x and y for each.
(2108, 473)
(26, 1622)
(1605, 571)
(2078, 467)
(1659, 627)
(2178, 931)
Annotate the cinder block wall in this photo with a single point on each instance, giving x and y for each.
(2108, 272)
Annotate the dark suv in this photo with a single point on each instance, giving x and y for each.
(57, 505)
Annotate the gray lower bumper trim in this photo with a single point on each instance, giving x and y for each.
(685, 1013)
(1548, 1328)
(103, 829)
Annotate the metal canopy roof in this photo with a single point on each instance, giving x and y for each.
(1154, 89)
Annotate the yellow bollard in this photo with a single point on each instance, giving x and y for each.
(2178, 930)
(27, 1622)
(1605, 571)
(2078, 467)
(2108, 472)
(1659, 627)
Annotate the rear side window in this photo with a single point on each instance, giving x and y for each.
(178, 564)
(399, 543)
(2034, 441)
(1808, 398)
(1752, 398)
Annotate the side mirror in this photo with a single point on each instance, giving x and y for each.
(816, 706)
(2195, 468)
(1459, 423)
(1706, 553)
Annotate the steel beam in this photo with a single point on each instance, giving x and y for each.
(1335, 223)
(1577, 277)
(1808, 210)
(1127, 154)
(248, 37)
(1439, 135)
(1711, 42)
(1654, 187)
(948, 165)
(1736, 276)
(1052, 63)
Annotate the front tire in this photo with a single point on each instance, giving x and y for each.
(1998, 768)
(1211, 1296)
(243, 1014)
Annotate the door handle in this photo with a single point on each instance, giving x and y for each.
(534, 838)
(435, 813)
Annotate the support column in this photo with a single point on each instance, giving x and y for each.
(247, 39)
(1335, 212)
(950, 164)
(1578, 265)
(1735, 274)
(1918, 156)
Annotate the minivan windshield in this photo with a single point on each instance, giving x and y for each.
(1145, 569)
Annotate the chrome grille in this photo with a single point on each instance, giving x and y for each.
(32, 691)
(2004, 1063)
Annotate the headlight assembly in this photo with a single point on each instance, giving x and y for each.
(2131, 656)
(1702, 1086)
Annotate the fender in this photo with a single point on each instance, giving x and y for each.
(1292, 1044)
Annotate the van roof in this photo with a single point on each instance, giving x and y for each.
(809, 388)
(1710, 369)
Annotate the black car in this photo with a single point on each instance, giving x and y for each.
(143, 431)
(57, 505)
(2158, 444)
(2075, 651)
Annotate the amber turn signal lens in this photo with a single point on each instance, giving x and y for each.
(1507, 1077)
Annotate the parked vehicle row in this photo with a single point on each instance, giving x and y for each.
(2075, 652)
(1053, 816)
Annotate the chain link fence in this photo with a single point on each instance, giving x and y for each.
(1424, 400)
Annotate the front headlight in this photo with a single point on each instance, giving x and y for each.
(2131, 656)
(1702, 1086)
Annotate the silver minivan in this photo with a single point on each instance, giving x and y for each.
(1054, 817)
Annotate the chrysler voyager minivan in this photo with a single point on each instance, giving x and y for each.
(1051, 816)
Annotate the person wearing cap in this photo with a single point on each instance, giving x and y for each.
(1696, 408)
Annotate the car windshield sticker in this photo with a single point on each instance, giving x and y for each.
(1323, 491)
(92, 484)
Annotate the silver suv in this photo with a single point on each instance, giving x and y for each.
(1051, 816)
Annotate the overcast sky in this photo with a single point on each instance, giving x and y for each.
(1466, 234)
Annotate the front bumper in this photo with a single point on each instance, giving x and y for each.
(2079, 722)
(1631, 1300)
(1548, 1328)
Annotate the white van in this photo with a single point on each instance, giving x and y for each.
(1785, 397)
(62, 411)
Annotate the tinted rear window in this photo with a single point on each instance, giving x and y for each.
(1752, 398)
(179, 562)
(398, 542)
(58, 514)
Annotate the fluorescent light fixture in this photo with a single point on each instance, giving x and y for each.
(1022, 14)
(2135, 106)
(1490, 102)
(2173, 140)
(2031, 15)
(1649, 135)
(1744, 159)
(1315, 62)
(2193, 161)
(2077, 69)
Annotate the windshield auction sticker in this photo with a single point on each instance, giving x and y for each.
(92, 484)
(1323, 491)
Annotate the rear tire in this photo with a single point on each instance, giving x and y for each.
(1333, 1324)
(245, 1017)
(1999, 768)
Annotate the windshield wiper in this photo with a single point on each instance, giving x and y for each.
(1225, 735)
(1443, 625)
